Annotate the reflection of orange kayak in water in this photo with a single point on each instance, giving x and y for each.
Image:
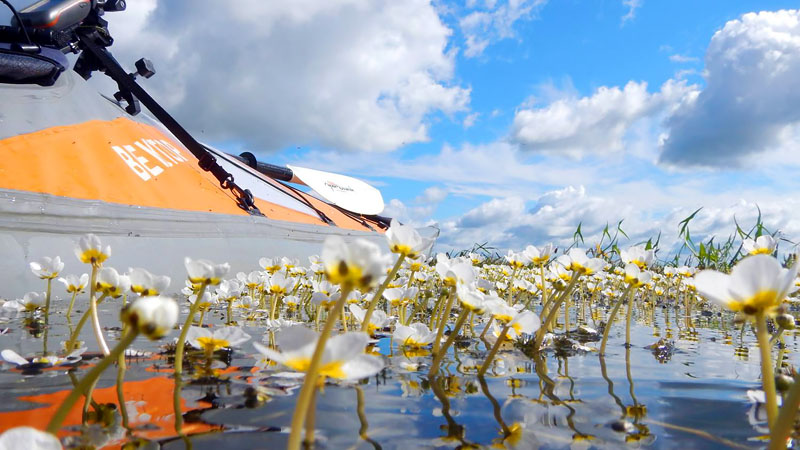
(149, 402)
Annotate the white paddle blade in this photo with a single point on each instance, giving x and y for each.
(343, 191)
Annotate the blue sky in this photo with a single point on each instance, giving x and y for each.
(507, 122)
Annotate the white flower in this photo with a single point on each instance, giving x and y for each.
(471, 298)
(91, 251)
(635, 276)
(756, 284)
(343, 358)
(153, 316)
(211, 341)
(73, 283)
(539, 255)
(398, 296)
(32, 438)
(377, 321)
(47, 267)
(111, 283)
(517, 260)
(228, 290)
(33, 300)
(359, 264)
(415, 335)
(638, 255)
(406, 240)
(10, 356)
(271, 265)
(251, 280)
(454, 271)
(577, 261)
(202, 271)
(145, 283)
(279, 283)
(765, 244)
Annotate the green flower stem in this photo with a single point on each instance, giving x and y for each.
(230, 312)
(185, 329)
(87, 381)
(176, 406)
(273, 303)
(379, 292)
(767, 374)
(74, 336)
(544, 286)
(123, 410)
(310, 383)
(510, 287)
(554, 307)
(98, 332)
(436, 308)
(443, 319)
(486, 327)
(311, 421)
(493, 351)
(785, 421)
(87, 402)
(437, 360)
(628, 321)
(611, 317)
(47, 301)
(71, 304)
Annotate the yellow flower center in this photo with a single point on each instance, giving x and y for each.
(763, 300)
(332, 369)
(93, 256)
(761, 251)
(211, 344)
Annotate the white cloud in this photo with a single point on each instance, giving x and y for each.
(632, 6)
(678, 58)
(348, 74)
(469, 121)
(512, 223)
(750, 104)
(493, 21)
(433, 194)
(596, 124)
(496, 169)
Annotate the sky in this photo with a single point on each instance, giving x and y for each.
(501, 122)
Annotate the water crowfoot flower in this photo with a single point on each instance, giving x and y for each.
(152, 316)
(762, 245)
(354, 266)
(47, 268)
(145, 283)
(211, 341)
(378, 321)
(756, 287)
(343, 357)
(74, 285)
(203, 273)
(416, 335)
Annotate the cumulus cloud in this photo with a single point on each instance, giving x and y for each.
(492, 21)
(347, 74)
(632, 6)
(513, 223)
(750, 104)
(595, 124)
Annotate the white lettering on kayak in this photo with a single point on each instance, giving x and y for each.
(162, 153)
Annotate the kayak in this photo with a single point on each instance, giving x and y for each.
(73, 161)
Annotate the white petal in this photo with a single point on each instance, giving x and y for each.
(13, 357)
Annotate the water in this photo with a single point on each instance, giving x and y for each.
(692, 396)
